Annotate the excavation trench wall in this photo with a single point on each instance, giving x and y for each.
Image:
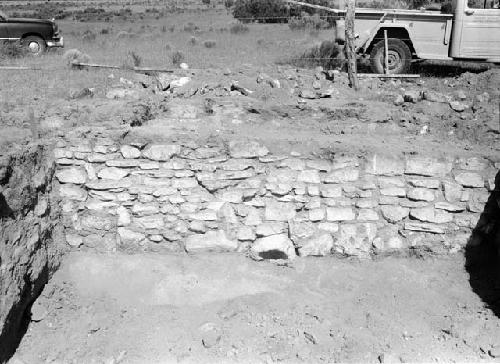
(136, 196)
(28, 227)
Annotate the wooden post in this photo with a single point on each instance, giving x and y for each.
(350, 47)
(386, 54)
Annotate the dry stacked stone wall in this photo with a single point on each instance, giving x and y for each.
(138, 196)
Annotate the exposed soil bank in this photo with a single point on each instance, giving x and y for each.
(28, 253)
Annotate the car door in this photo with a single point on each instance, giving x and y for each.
(4, 33)
(480, 35)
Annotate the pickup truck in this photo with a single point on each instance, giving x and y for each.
(460, 30)
(34, 34)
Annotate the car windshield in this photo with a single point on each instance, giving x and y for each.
(3, 15)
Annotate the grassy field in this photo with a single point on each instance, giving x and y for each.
(206, 42)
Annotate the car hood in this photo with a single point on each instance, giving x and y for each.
(29, 20)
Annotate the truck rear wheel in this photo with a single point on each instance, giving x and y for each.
(34, 45)
(399, 56)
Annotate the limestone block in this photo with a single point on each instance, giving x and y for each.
(429, 214)
(425, 166)
(211, 241)
(72, 192)
(161, 153)
(319, 164)
(424, 227)
(128, 236)
(394, 214)
(274, 247)
(340, 214)
(113, 173)
(318, 245)
(385, 166)
(470, 179)
(356, 239)
(149, 222)
(247, 149)
(425, 183)
(421, 194)
(342, 176)
(245, 233)
(73, 175)
(330, 191)
(367, 215)
(279, 211)
(271, 228)
(317, 215)
(393, 192)
(309, 176)
(130, 152)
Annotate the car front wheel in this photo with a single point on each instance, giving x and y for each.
(34, 45)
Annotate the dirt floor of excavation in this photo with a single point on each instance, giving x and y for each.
(226, 308)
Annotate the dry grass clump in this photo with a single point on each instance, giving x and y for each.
(239, 28)
(125, 35)
(307, 22)
(12, 50)
(193, 41)
(328, 54)
(75, 55)
(177, 58)
(89, 36)
(210, 43)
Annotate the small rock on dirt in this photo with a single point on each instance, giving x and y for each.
(457, 106)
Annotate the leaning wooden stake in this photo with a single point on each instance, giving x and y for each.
(386, 52)
(350, 47)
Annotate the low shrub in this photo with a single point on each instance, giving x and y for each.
(210, 43)
(193, 41)
(328, 54)
(177, 58)
(12, 50)
(307, 22)
(239, 28)
(88, 36)
(75, 55)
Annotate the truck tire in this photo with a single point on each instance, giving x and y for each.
(399, 56)
(34, 45)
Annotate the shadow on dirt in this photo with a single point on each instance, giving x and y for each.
(483, 253)
(447, 68)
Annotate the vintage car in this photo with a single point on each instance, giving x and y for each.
(34, 34)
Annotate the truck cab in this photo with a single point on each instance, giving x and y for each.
(466, 30)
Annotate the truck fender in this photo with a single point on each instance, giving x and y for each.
(394, 31)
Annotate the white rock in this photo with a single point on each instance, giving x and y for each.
(210, 241)
(128, 236)
(279, 211)
(74, 240)
(247, 149)
(72, 192)
(73, 175)
(470, 179)
(130, 152)
(394, 214)
(356, 239)
(421, 194)
(429, 214)
(123, 216)
(274, 247)
(319, 245)
(340, 214)
(112, 173)
(161, 153)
